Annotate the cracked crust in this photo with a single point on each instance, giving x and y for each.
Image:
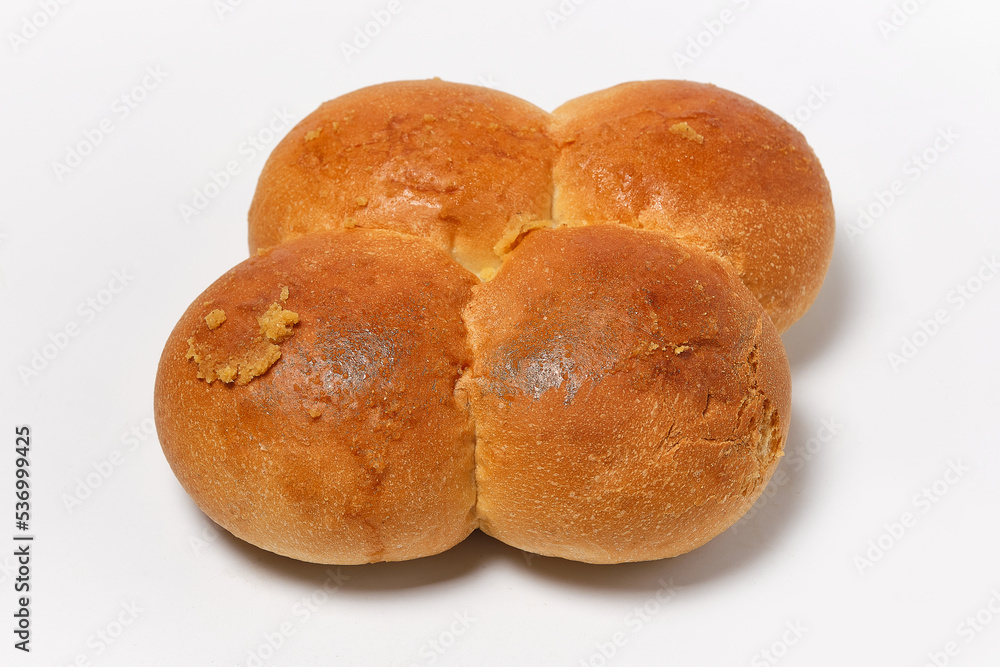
(596, 439)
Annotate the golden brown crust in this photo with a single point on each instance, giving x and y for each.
(710, 168)
(625, 382)
(631, 397)
(452, 163)
(350, 446)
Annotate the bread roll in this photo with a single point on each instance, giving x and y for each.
(631, 398)
(710, 168)
(615, 390)
(306, 399)
(451, 163)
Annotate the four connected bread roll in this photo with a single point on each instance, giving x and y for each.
(465, 312)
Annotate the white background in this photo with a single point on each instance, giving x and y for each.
(821, 552)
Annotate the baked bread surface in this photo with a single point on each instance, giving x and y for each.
(466, 312)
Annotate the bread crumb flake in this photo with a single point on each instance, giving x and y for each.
(687, 132)
(215, 318)
(275, 326)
